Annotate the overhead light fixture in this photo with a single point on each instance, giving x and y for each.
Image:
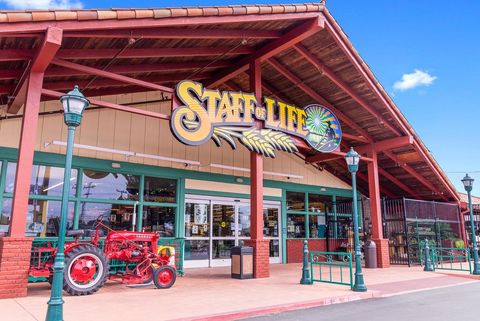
(247, 170)
(125, 153)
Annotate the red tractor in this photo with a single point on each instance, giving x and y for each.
(87, 266)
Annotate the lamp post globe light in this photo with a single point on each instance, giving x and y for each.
(353, 159)
(74, 103)
(468, 184)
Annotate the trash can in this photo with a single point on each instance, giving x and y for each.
(370, 250)
(242, 262)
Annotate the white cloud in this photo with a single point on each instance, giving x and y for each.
(43, 4)
(414, 79)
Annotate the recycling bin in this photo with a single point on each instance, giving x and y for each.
(370, 251)
(242, 262)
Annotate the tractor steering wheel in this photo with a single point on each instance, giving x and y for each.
(98, 221)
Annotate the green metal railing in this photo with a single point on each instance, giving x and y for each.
(115, 265)
(332, 267)
(451, 258)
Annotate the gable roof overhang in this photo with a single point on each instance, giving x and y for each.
(305, 58)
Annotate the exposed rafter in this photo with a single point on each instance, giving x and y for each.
(386, 144)
(274, 47)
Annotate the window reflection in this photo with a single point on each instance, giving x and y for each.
(197, 220)
(117, 217)
(160, 220)
(319, 203)
(10, 177)
(43, 217)
(47, 180)
(270, 222)
(6, 211)
(162, 190)
(295, 201)
(110, 185)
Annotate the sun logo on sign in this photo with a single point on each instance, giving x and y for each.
(325, 134)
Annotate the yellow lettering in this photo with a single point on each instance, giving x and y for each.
(237, 106)
(249, 107)
(282, 115)
(270, 122)
(301, 116)
(212, 97)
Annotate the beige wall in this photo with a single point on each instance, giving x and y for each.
(127, 132)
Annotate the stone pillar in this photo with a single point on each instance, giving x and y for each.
(14, 265)
(383, 255)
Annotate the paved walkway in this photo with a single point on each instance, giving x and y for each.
(210, 294)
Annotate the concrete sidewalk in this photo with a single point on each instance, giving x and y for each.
(210, 294)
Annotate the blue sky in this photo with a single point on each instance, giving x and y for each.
(439, 39)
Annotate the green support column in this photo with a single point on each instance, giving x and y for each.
(180, 210)
(307, 218)
(335, 229)
(283, 232)
(3, 175)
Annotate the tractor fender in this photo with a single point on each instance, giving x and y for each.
(70, 246)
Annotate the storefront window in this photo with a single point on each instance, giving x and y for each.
(244, 220)
(317, 226)
(10, 177)
(161, 190)
(160, 220)
(295, 226)
(197, 250)
(110, 185)
(344, 205)
(43, 217)
(223, 220)
(319, 203)
(47, 180)
(117, 217)
(5, 216)
(221, 248)
(197, 220)
(295, 201)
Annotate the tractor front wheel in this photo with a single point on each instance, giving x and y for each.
(164, 277)
(86, 270)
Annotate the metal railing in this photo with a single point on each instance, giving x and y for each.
(450, 258)
(332, 267)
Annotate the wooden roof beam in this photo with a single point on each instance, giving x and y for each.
(313, 94)
(344, 86)
(397, 182)
(325, 157)
(386, 144)
(46, 52)
(414, 173)
(176, 33)
(274, 47)
(100, 103)
(24, 54)
(111, 75)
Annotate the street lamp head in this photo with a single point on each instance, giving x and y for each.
(353, 159)
(468, 183)
(74, 103)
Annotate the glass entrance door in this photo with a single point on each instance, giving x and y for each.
(214, 226)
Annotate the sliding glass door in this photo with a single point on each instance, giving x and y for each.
(214, 225)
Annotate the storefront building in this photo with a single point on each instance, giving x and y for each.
(138, 169)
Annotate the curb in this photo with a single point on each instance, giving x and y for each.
(249, 313)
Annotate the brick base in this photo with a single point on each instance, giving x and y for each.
(295, 249)
(14, 265)
(383, 255)
(261, 257)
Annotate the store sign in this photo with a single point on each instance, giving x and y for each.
(231, 115)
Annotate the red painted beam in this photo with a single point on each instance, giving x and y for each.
(177, 33)
(345, 87)
(24, 54)
(374, 195)
(386, 144)
(28, 138)
(111, 75)
(45, 54)
(331, 156)
(319, 99)
(291, 38)
(108, 24)
(100, 103)
(124, 69)
(355, 138)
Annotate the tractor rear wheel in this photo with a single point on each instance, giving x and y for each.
(164, 277)
(86, 270)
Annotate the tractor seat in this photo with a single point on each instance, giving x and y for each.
(75, 233)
